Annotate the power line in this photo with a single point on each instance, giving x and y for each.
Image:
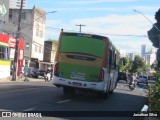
(39, 18)
(125, 35)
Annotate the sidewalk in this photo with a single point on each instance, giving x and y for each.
(9, 79)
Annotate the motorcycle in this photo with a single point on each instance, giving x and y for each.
(132, 85)
(47, 77)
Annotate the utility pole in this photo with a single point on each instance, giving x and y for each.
(14, 75)
(80, 25)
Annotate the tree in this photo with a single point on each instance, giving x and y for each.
(154, 94)
(138, 64)
(157, 16)
(52, 40)
(125, 64)
(154, 33)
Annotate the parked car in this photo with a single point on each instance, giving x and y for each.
(152, 77)
(122, 76)
(42, 73)
(142, 79)
(32, 72)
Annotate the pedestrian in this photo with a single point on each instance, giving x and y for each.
(26, 70)
(22, 69)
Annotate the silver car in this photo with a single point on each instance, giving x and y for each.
(142, 79)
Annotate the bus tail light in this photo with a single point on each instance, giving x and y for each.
(56, 71)
(101, 76)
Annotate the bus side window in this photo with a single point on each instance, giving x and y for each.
(115, 61)
(110, 58)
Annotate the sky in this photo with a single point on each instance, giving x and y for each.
(115, 19)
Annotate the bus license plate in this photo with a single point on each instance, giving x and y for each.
(77, 84)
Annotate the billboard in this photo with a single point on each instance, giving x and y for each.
(4, 10)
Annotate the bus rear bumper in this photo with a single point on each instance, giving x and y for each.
(96, 86)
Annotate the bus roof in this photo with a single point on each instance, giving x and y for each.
(85, 35)
(89, 36)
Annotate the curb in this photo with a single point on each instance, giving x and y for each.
(9, 79)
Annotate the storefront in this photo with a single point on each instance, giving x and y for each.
(12, 43)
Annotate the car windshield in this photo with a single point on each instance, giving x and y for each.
(144, 76)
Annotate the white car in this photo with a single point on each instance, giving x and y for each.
(142, 79)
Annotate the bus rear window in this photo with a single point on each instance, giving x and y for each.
(82, 45)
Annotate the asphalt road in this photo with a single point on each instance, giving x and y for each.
(38, 95)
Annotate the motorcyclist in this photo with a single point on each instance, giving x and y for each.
(132, 80)
(48, 70)
(48, 74)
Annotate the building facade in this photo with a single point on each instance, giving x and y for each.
(15, 4)
(50, 48)
(131, 55)
(150, 57)
(143, 51)
(33, 23)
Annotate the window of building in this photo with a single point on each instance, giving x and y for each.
(4, 53)
(37, 30)
(27, 46)
(40, 49)
(23, 15)
(10, 14)
(36, 48)
(18, 6)
(41, 33)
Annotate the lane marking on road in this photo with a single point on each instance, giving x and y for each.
(29, 109)
(63, 101)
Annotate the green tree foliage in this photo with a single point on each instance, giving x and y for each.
(157, 16)
(154, 94)
(154, 33)
(138, 64)
(52, 40)
(125, 64)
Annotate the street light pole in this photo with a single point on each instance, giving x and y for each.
(147, 19)
(44, 15)
(14, 74)
(149, 105)
(156, 28)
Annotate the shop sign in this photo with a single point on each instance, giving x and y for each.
(12, 42)
(12, 51)
(3, 10)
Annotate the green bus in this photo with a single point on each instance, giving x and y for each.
(85, 61)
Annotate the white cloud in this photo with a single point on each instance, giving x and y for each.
(131, 24)
(96, 1)
(116, 24)
(121, 25)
